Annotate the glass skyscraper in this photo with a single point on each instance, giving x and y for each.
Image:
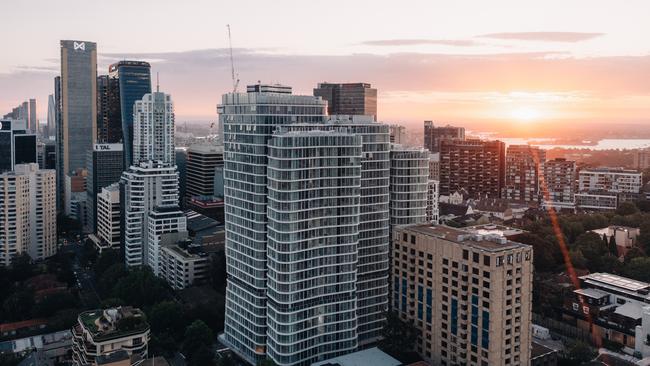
(134, 78)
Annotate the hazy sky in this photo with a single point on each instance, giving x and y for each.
(516, 62)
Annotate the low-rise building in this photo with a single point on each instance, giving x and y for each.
(108, 218)
(101, 332)
(596, 200)
(615, 180)
(611, 308)
(184, 264)
(624, 237)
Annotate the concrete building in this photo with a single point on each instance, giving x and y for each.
(624, 237)
(109, 118)
(524, 165)
(469, 295)
(46, 152)
(145, 186)
(641, 159)
(397, 134)
(77, 131)
(348, 98)
(100, 333)
(153, 129)
(162, 220)
(614, 180)
(433, 135)
(409, 185)
(33, 121)
(371, 356)
(104, 164)
(474, 165)
(27, 213)
(559, 184)
(202, 161)
(76, 197)
(109, 227)
(596, 200)
(434, 166)
(433, 211)
(17, 144)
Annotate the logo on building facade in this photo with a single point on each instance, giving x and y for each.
(79, 46)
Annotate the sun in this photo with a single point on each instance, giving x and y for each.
(525, 114)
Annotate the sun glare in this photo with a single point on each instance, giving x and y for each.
(525, 114)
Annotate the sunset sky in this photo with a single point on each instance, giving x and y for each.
(479, 63)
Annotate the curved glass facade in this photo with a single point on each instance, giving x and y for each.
(314, 183)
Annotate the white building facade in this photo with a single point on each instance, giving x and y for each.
(108, 217)
(153, 129)
(27, 213)
(409, 185)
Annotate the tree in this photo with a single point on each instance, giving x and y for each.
(546, 255)
(141, 288)
(626, 208)
(634, 252)
(53, 303)
(167, 317)
(18, 306)
(579, 352)
(577, 259)
(638, 269)
(110, 278)
(613, 248)
(399, 336)
(197, 336)
(644, 235)
(106, 259)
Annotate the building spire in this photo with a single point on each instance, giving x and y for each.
(157, 82)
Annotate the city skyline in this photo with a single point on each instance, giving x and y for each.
(478, 65)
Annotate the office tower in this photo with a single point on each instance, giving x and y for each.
(104, 166)
(433, 135)
(348, 98)
(397, 134)
(77, 130)
(469, 295)
(96, 345)
(17, 144)
(108, 217)
(433, 211)
(146, 186)
(524, 165)
(51, 117)
(245, 187)
(474, 165)
(202, 160)
(109, 117)
(612, 180)
(27, 213)
(19, 112)
(409, 185)
(153, 129)
(559, 184)
(314, 187)
(33, 121)
(133, 82)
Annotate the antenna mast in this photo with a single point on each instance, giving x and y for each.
(235, 82)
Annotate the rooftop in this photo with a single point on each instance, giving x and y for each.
(493, 229)
(107, 324)
(617, 282)
(371, 356)
(492, 243)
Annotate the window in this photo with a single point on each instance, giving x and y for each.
(475, 257)
(486, 260)
(465, 254)
(405, 237)
(412, 239)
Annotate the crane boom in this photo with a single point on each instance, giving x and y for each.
(235, 82)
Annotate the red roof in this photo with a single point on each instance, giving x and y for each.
(10, 327)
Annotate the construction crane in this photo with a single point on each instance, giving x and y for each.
(235, 81)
